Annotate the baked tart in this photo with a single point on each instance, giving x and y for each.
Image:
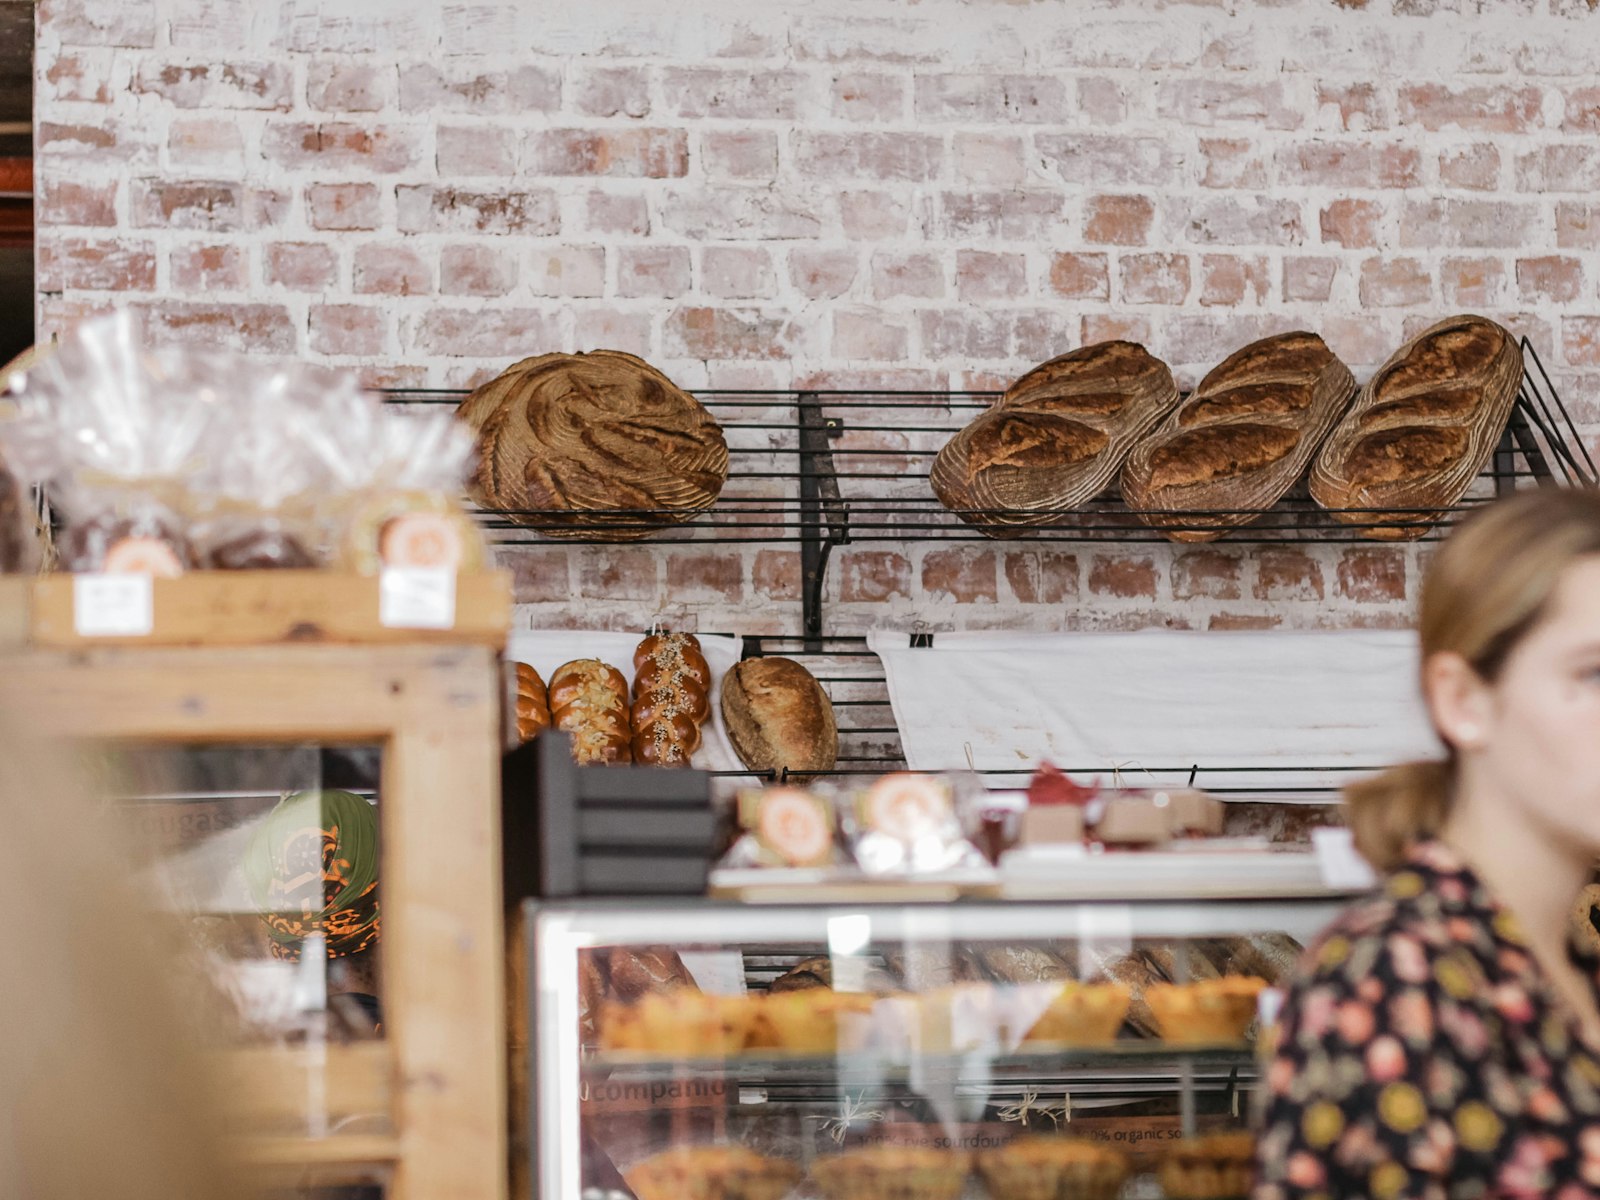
(1209, 1010)
(1053, 1168)
(891, 1173)
(679, 1024)
(1218, 1166)
(812, 1021)
(712, 1173)
(1082, 1014)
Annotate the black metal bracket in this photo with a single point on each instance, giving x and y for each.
(824, 517)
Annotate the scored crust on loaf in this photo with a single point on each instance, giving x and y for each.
(1240, 440)
(1054, 440)
(602, 433)
(1421, 430)
(778, 716)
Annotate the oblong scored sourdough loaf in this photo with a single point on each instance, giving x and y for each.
(1240, 440)
(1421, 430)
(603, 436)
(1055, 439)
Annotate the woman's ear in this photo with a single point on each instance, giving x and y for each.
(1459, 701)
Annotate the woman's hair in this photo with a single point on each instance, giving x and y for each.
(1489, 586)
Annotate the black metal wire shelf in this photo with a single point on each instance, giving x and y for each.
(816, 469)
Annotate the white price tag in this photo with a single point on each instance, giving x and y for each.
(113, 605)
(1341, 865)
(416, 598)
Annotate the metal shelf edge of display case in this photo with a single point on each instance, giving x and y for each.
(823, 468)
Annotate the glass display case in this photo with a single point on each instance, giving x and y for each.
(843, 1050)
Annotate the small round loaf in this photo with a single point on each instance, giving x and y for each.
(778, 716)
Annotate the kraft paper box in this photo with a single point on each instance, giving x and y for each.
(1048, 824)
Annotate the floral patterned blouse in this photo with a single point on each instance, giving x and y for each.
(1423, 1054)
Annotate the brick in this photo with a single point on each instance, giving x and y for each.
(849, 36)
(1352, 224)
(1206, 575)
(130, 23)
(1357, 107)
(208, 24)
(423, 208)
(739, 154)
(169, 204)
(1580, 341)
(90, 143)
(1309, 278)
(990, 159)
(474, 150)
(868, 96)
(425, 88)
(1466, 223)
(965, 334)
(991, 99)
(503, 333)
(612, 92)
(662, 271)
(984, 275)
(963, 575)
(1391, 283)
(66, 202)
(1238, 221)
(873, 215)
(898, 274)
(540, 574)
(1118, 220)
(203, 142)
(740, 214)
(1568, 168)
(1357, 341)
(1115, 327)
(821, 274)
(737, 272)
(868, 335)
(1475, 167)
(56, 317)
(346, 329)
(568, 271)
(1232, 163)
(1209, 102)
(907, 157)
(1582, 112)
(606, 212)
(613, 329)
(707, 333)
(1231, 281)
(301, 266)
(873, 576)
(334, 85)
(243, 85)
(1102, 100)
(1041, 334)
(628, 574)
(1041, 576)
(83, 77)
(96, 264)
(1287, 575)
(1487, 109)
(1112, 160)
(354, 29)
(342, 206)
(1577, 226)
(391, 269)
(476, 270)
(1009, 215)
(248, 328)
(373, 377)
(339, 145)
(1236, 621)
(1372, 576)
(1081, 276)
(265, 208)
(210, 269)
(776, 574)
(704, 575)
(620, 154)
(1125, 576)
(1347, 165)
(1554, 277)
(1471, 282)
(1154, 278)
(739, 95)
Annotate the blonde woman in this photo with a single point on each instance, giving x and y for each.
(1443, 1039)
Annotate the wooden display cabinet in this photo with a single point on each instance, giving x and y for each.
(323, 671)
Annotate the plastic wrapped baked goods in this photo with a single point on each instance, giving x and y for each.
(1210, 1010)
(598, 445)
(589, 700)
(891, 1173)
(671, 698)
(19, 540)
(1218, 1166)
(1053, 1168)
(712, 1173)
(906, 823)
(778, 717)
(785, 827)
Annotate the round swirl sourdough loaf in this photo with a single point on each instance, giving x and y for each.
(1240, 440)
(1421, 430)
(1055, 439)
(602, 436)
